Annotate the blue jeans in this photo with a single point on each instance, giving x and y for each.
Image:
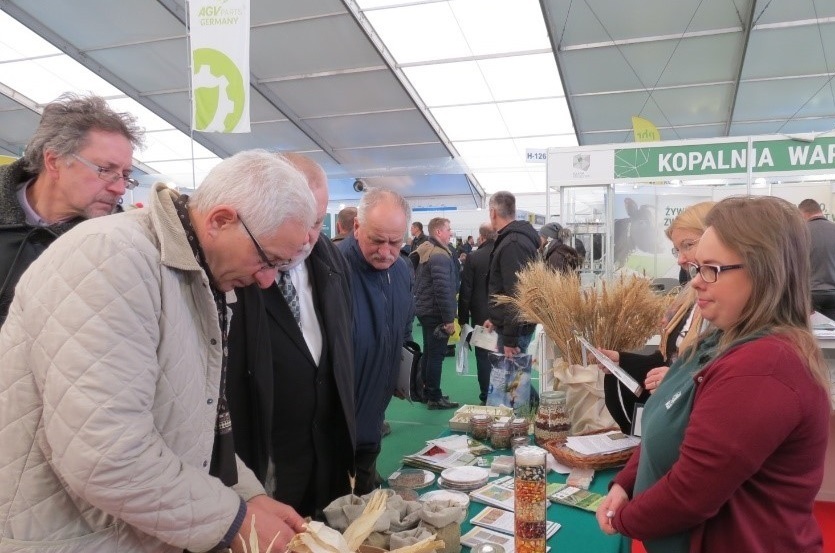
(434, 348)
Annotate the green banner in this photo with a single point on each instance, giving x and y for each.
(723, 158)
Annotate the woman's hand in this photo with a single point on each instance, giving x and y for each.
(613, 355)
(616, 499)
(654, 378)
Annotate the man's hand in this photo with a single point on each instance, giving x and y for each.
(449, 328)
(510, 352)
(271, 518)
(488, 325)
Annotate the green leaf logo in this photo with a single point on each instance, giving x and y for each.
(219, 95)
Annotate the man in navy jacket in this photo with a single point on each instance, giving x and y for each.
(383, 307)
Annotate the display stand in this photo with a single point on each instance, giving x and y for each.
(632, 192)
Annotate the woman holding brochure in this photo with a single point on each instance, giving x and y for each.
(684, 232)
(734, 438)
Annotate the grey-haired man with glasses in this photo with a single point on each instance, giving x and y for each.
(76, 166)
(116, 424)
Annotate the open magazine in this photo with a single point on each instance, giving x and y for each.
(438, 458)
(625, 378)
(574, 497)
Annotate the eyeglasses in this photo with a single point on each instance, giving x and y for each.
(108, 175)
(710, 273)
(686, 246)
(267, 264)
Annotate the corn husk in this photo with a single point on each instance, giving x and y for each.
(318, 538)
(620, 314)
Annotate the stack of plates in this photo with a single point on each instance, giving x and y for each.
(463, 478)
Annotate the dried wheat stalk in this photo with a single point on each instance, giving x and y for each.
(620, 314)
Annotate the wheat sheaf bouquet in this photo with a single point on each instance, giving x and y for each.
(619, 314)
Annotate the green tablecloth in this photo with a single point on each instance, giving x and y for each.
(579, 532)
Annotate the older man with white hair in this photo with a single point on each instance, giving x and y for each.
(383, 313)
(116, 433)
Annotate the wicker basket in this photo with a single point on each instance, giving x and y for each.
(571, 458)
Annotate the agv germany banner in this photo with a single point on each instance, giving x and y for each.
(219, 37)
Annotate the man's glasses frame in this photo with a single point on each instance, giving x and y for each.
(106, 174)
(266, 263)
(710, 273)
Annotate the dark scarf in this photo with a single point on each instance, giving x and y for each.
(224, 465)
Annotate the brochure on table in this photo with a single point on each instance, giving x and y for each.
(503, 521)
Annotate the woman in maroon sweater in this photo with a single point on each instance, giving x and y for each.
(734, 438)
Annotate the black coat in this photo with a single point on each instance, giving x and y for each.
(20, 243)
(435, 281)
(619, 400)
(517, 244)
(563, 258)
(472, 297)
(258, 386)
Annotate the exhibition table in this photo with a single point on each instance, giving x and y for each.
(579, 532)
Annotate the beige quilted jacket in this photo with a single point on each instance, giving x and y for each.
(109, 378)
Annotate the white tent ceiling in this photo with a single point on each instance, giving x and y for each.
(439, 98)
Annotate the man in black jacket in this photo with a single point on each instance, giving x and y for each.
(517, 244)
(435, 307)
(76, 166)
(291, 371)
(472, 299)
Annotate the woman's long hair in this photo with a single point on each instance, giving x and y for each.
(773, 241)
(692, 219)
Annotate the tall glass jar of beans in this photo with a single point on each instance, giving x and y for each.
(530, 504)
(552, 420)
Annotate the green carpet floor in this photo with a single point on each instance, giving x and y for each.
(412, 423)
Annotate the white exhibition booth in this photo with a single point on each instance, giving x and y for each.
(625, 195)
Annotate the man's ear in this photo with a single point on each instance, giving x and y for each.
(220, 218)
(50, 163)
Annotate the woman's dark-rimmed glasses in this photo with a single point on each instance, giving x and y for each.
(710, 273)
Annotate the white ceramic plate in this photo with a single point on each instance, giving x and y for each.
(465, 475)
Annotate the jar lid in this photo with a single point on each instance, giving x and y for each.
(488, 548)
(552, 396)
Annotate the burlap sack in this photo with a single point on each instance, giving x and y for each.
(583, 386)
(341, 512)
(444, 519)
(407, 518)
(408, 537)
